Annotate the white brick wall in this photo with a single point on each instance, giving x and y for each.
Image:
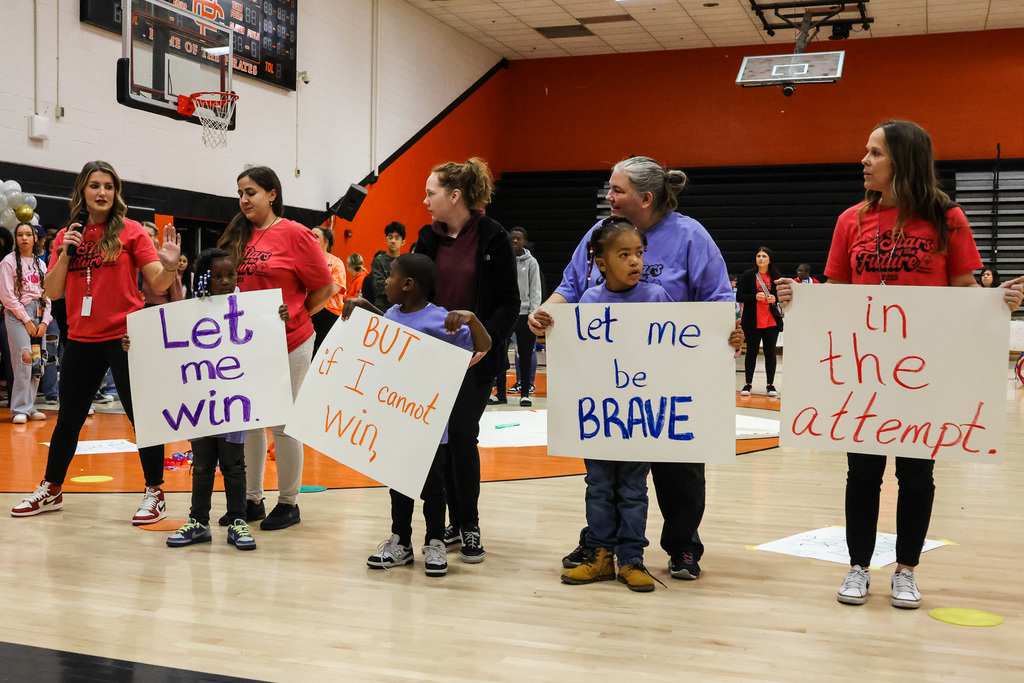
(424, 65)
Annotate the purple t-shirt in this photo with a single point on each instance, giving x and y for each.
(680, 256)
(642, 292)
(430, 320)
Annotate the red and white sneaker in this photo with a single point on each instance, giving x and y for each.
(152, 509)
(47, 498)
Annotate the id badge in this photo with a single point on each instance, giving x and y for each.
(86, 306)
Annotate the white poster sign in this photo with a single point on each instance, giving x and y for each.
(829, 544)
(208, 366)
(649, 382)
(912, 371)
(377, 398)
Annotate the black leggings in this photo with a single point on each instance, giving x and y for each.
(433, 505)
(913, 506)
(462, 464)
(206, 453)
(81, 372)
(769, 335)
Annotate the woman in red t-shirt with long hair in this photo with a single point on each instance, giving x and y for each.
(756, 291)
(100, 286)
(273, 252)
(907, 231)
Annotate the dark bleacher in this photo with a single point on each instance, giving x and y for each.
(791, 209)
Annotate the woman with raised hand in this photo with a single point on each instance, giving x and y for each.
(95, 265)
(476, 271)
(273, 252)
(907, 231)
(684, 260)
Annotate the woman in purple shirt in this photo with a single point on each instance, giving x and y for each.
(684, 260)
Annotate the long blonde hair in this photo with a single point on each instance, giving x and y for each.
(110, 244)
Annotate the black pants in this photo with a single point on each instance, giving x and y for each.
(462, 464)
(433, 505)
(681, 490)
(913, 506)
(525, 341)
(769, 335)
(206, 452)
(323, 321)
(81, 373)
(501, 381)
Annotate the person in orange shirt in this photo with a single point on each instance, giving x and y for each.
(359, 273)
(324, 319)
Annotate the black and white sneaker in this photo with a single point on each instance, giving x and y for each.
(435, 561)
(390, 553)
(452, 539)
(472, 549)
(684, 566)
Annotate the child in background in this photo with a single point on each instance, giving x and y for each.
(354, 264)
(216, 275)
(616, 497)
(411, 281)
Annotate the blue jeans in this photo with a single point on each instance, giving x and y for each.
(23, 391)
(617, 508)
(48, 385)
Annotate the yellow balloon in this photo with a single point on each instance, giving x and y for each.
(24, 213)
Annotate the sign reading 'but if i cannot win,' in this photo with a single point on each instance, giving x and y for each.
(911, 371)
(646, 382)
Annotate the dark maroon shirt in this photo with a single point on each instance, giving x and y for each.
(456, 264)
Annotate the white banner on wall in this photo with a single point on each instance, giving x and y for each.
(912, 371)
(377, 398)
(651, 382)
(208, 366)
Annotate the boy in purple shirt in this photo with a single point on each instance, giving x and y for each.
(411, 280)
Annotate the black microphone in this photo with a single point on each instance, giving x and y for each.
(82, 218)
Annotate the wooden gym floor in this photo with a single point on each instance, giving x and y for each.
(88, 588)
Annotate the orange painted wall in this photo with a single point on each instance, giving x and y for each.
(474, 128)
(683, 107)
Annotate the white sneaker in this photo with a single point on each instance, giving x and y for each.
(854, 590)
(152, 509)
(20, 419)
(435, 558)
(390, 553)
(904, 590)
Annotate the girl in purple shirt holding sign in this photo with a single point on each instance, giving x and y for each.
(216, 274)
(616, 491)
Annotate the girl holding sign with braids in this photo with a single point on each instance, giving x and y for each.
(907, 231)
(616, 500)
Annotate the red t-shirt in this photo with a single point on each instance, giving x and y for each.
(286, 256)
(868, 256)
(114, 285)
(765, 319)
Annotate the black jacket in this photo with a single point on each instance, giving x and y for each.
(496, 285)
(746, 294)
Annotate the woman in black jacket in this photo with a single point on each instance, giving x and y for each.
(756, 291)
(476, 271)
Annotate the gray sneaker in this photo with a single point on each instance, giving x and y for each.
(390, 553)
(435, 558)
(854, 590)
(190, 532)
(239, 536)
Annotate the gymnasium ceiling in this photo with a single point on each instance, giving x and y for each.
(509, 27)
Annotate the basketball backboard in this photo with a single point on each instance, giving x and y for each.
(168, 51)
(804, 67)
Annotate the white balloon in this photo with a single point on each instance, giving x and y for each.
(12, 185)
(30, 201)
(8, 219)
(35, 219)
(3, 202)
(14, 197)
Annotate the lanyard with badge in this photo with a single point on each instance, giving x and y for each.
(87, 299)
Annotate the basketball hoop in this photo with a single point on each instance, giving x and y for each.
(214, 110)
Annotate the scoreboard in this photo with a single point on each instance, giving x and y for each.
(265, 31)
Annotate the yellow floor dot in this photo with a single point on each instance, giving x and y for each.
(965, 617)
(91, 479)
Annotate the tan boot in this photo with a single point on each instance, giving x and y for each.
(637, 578)
(599, 566)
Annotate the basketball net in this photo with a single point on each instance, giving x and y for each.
(214, 110)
